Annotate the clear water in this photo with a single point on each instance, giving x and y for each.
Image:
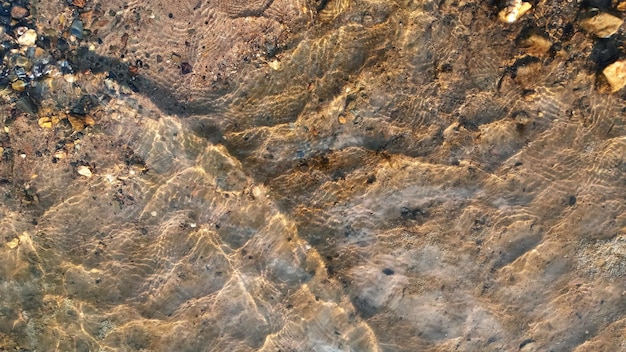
(313, 176)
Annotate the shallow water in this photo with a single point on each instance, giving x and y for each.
(314, 176)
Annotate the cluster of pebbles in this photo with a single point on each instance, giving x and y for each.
(37, 73)
(600, 18)
(40, 71)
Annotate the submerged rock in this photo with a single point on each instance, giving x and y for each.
(514, 10)
(28, 38)
(602, 25)
(77, 29)
(615, 74)
(18, 12)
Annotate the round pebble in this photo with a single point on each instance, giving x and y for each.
(185, 68)
(84, 171)
(18, 85)
(28, 38)
(18, 12)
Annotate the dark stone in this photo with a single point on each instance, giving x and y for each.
(388, 271)
(525, 342)
(185, 68)
(605, 52)
(62, 44)
(571, 201)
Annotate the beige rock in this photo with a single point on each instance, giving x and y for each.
(84, 171)
(274, 65)
(536, 44)
(615, 74)
(602, 25)
(19, 12)
(78, 124)
(45, 122)
(13, 243)
(18, 85)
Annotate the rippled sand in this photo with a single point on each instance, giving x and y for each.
(319, 176)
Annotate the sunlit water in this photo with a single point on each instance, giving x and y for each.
(315, 176)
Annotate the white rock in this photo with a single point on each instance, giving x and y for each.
(514, 10)
(84, 170)
(28, 38)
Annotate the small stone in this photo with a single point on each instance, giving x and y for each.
(602, 25)
(274, 65)
(84, 171)
(18, 85)
(615, 74)
(18, 12)
(514, 11)
(13, 243)
(77, 123)
(28, 38)
(571, 201)
(77, 29)
(388, 271)
(60, 154)
(185, 68)
(45, 122)
(79, 3)
(21, 61)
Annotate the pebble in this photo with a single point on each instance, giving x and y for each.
(185, 68)
(84, 171)
(45, 122)
(388, 271)
(78, 3)
(18, 85)
(274, 65)
(18, 12)
(28, 38)
(602, 25)
(77, 29)
(514, 10)
(13, 243)
(21, 61)
(77, 123)
(615, 74)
